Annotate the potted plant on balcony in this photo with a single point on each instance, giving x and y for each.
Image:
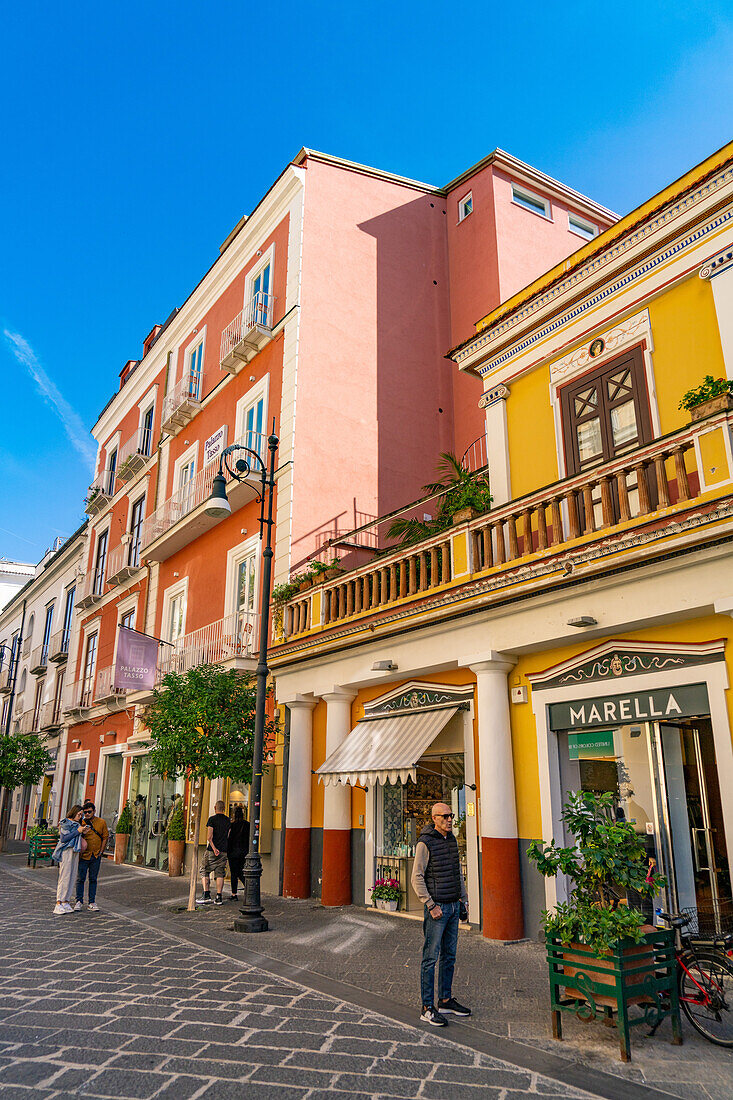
(463, 496)
(386, 894)
(122, 833)
(713, 396)
(176, 833)
(599, 948)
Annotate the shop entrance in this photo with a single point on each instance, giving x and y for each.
(152, 799)
(665, 783)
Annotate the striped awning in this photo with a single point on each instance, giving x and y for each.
(384, 750)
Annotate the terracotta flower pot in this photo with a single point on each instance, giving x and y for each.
(713, 405)
(463, 515)
(176, 849)
(121, 841)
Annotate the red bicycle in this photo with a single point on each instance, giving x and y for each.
(705, 978)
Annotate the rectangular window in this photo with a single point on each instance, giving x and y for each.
(100, 563)
(177, 617)
(128, 620)
(465, 207)
(146, 433)
(529, 201)
(186, 474)
(261, 296)
(111, 473)
(583, 228)
(254, 424)
(68, 615)
(195, 370)
(136, 528)
(58, 695)
(47, 629)
(90, 667)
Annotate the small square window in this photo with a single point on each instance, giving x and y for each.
(583, 228)
(529, 201)
(465, 206)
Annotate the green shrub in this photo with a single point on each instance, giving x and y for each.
(177, 822)
(124, 822)
(711, 387)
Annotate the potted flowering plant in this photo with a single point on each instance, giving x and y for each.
(386, 893)
(714, 395)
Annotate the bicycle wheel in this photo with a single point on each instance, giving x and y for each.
(706, 994)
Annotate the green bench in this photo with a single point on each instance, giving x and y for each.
(41, 847)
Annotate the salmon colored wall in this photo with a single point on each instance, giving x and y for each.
(372, 377)
(88, 733)
(529, 244)
(107, 623)
(129, 421)
(472, 243)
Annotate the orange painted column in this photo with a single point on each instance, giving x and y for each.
(297, 855)
(501, 880)
(336, 877)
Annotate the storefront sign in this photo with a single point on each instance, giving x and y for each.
(589, 746)
(638, 706)
(137, 660)
(215, 444)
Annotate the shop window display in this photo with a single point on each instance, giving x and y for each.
(153, 799)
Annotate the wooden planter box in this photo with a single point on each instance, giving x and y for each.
(713, 405)
(643, 976)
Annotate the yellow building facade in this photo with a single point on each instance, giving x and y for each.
(577, 635)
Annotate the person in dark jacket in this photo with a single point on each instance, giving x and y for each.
(438, 882)
(237, 849)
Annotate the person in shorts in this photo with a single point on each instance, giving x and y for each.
(214, 863)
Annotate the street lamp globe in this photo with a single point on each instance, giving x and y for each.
(217, 505)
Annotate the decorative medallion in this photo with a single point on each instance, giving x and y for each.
(596, 348)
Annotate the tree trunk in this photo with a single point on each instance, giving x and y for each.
(198, 790)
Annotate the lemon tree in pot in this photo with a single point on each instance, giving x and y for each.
(123, 829)
(601, 953)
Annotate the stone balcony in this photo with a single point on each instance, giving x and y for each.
(677, 486)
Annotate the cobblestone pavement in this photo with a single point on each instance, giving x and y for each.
(97, 1005)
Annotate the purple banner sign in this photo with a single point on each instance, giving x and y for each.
(137, 660)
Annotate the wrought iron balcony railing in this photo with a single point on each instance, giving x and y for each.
(134, 454)
(247, 333)
(182, 403)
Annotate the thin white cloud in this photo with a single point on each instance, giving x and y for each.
(73, 426)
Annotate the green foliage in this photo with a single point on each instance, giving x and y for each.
(23, 759)
(711, 387)
(201, 725)
(283, 593)
(609, 856)
(38, 830)
(124, 821)
(177, 823)
(465, 490)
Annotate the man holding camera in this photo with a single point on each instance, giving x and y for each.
(438, 882)
(90, 860)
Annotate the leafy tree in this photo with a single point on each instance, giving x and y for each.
(608, 858)
(201, 725)
(23, 761)
(464, 490)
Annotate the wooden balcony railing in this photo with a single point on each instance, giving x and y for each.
(613, 496)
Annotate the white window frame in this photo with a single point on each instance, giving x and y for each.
(462, 212)
(198, 339)
(103, 529)
(123, 608)
(260, 389)
(149, 401)
(180, 588)
(262, 262)
(525, 198)
(104, 753)
(235, 556)
(582, 228)
(82, 754)
(192, 454)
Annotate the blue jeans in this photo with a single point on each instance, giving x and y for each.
(92, 866)
(441, 940)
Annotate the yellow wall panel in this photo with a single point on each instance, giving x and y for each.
(714, 457)
(531, 431)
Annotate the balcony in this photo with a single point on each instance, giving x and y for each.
(100, 493)
(124, 563)
(59, 648)
(25, 652)
(6, 681)
(182, 518)
(105, 692)
(182, 403)
(135, 454)
(39, 659)
(51, 715)
(91, 591)
(631, 506)
(247, 333)
(29, 722)
(81, 698)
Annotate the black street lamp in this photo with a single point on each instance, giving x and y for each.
(251, 918)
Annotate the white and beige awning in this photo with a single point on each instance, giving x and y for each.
(384, 750)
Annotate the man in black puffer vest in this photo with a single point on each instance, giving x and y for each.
(438, 882)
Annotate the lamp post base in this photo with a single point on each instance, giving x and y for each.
(250, 924)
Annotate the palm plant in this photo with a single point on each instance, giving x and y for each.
(459, 488)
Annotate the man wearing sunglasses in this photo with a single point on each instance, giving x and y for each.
(438, 882)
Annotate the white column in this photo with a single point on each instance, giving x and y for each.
(300, 763)
(497, 447)
(336, 875)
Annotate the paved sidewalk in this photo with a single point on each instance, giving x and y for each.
(94, 1005)
(378, 957)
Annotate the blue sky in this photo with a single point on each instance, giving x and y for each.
(135, 135)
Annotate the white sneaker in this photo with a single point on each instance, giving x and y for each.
(78, 907)
(93, 907)
(59, 910)
(67, 907)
